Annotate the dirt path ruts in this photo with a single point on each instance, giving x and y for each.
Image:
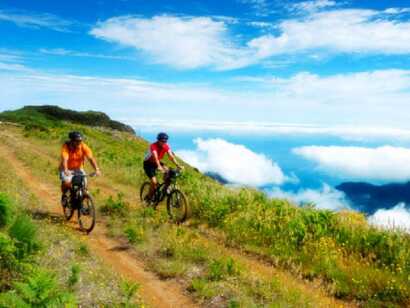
(154, 292)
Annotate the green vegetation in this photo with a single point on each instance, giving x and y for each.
(46, 117)
(21, 283)
(43, 263)
(354, 261)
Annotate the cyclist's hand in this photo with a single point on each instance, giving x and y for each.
(97, 172)
(67, 172)
(180, 167)
(161, 169)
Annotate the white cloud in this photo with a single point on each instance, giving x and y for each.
(351, 105)
(397, 218)
(260, 24)
(187, 42)
(10, 56)
(347, 30)
(353, 85)
(73, 53)
(34, 20)
(119, 97)
(261, 7)
(356, 133)
(385, 163)
(180, 42)
(312, 6)
(325, 198)
(14, 67)
(235, 163)
(395, 10)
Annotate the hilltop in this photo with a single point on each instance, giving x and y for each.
(239, 249)
(48, 116)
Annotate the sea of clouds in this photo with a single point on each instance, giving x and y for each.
(385, 163)
(239, 165)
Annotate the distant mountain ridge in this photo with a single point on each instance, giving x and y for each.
(36, 115)
(217, 177)
(368, 197)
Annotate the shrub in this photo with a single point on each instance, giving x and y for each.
(8, 261)
(24, 232)
(41, 290)
(116, 207)
(82, 250)
(5, 210)
(129, 289)
(218, 269)
(134, 235)
(12, 300)
(202, 287)
(74, 275)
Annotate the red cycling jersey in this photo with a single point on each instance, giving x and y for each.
(160, 152)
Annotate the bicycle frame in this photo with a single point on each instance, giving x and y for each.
(79, 188)
(169, 184)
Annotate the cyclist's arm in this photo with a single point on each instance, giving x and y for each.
(93, 163)
(64, 163)
(91, 159)
(173, 159)
(64, 160)
(159, 166)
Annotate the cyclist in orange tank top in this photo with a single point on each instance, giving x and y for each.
(73, 155)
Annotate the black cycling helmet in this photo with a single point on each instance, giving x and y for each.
(75, 136)
(162, 136)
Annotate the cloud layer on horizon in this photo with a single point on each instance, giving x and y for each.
(384, 163)
(273, 99)
(325, 198)
(397, 218)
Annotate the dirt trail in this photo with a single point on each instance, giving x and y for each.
(154, 292)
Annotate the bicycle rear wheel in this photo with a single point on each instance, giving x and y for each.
(86, 214)
(177, 206)
(144, 192)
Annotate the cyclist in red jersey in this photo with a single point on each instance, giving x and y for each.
(152, 160)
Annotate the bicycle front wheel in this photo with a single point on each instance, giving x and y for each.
(177, 206)
(86, 215)
(67, 207)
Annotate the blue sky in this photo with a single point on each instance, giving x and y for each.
(301, 64)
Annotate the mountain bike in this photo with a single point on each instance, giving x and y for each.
(80, 199)
(177, 205)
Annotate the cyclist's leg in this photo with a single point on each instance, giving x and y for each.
(150, 170)
(154, 185)
(65, 181)
(65, 185)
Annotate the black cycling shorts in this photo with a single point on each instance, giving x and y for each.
(150, 169)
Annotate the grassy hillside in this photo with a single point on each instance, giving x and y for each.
(336, 252)
(46, 117)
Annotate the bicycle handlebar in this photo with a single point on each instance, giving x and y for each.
(91, 175)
